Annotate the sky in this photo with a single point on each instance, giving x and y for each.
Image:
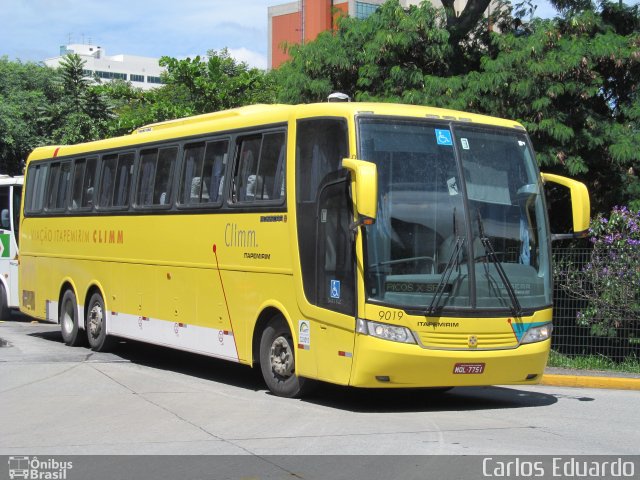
(33, 30)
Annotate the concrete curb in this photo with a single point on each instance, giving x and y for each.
(617, 383)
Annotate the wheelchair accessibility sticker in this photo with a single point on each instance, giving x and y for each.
(335, 289)
(443, 137)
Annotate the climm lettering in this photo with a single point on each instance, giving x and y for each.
(108, 236)
(237, 237)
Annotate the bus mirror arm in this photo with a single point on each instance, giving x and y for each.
(580, 205)
(555, 237)
(364, 191)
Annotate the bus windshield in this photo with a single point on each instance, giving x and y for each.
(461, 218)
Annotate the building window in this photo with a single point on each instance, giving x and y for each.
(110, 75)
(136, 78)
(364, 10)
(151, 79)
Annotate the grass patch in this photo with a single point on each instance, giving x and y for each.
(593, 362)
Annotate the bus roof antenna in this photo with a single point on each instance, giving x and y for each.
(338, 97)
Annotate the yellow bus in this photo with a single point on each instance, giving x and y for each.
(371, 245)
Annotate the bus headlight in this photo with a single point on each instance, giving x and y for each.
(385, 331)
(538, 334)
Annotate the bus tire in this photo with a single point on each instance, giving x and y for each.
(5, 311)
(69, 320)
(99, 341)
(277, 360)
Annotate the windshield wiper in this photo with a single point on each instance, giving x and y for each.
(446, 275)
(490, 253)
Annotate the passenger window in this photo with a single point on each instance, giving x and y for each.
(107, 175)
(123, 180)
(80, 165)
(155, 176)
(146, 176)
(164, 176)
(203, 172)
(84, 173)
(59, 182)
(259, 170)
(115, 180)
(36, 183)
(271, 167)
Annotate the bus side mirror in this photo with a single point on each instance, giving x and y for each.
(580, 206)
(364, 178)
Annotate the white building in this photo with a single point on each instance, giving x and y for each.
(142, 72)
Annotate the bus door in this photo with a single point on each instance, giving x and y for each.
(16, 198)
(324, 216)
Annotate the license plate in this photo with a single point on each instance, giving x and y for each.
(468, 368)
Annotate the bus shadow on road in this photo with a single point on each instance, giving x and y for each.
(425, 400)
(332, 396)
(193, 364)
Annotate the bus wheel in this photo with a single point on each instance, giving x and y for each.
(5, 311)
(277, 360)
(69, 320)
(97, 325)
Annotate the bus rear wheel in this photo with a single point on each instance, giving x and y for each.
(97, 325)
(277, 360)
(69, 326)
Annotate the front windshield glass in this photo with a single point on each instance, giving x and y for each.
(507, 217)
(425, 251)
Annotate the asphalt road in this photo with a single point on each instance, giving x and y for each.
(141, 399)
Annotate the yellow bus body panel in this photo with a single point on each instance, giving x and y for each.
(445, 342)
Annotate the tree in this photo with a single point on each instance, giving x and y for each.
(572, 81)
(382, 57)
(78, 113)
(214, 83)
(24, 87)
(460, 25)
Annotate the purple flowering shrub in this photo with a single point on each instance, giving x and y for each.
(610, 281)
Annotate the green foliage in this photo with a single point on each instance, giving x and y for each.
(40, 105)
(572, 81)
(382, 58)
(24, 87)
(610, 281)
(78, 113)
(191, 87)
(573, 84)
(629, 364)
(217, 82)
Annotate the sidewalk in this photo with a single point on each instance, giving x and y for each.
(565, 377)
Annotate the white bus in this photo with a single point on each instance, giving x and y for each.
(10, 197)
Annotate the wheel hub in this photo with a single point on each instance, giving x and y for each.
(95, 321)
(281, 357)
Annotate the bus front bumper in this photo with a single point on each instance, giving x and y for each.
(384, 364)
